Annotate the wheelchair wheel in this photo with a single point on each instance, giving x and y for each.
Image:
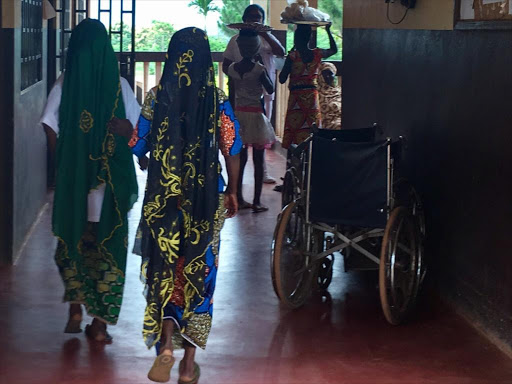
(406, 195)
(324, 273)
(291, 266)
(289, 192)
(323, 268)
(400, 265)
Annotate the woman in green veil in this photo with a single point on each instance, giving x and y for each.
(88, 117)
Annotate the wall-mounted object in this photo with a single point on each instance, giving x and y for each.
(405, 3)
(408, 3)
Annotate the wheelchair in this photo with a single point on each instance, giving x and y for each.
(342, 193)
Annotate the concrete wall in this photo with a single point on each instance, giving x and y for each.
(24, 175)
(449, 93)
(428, 14)
(7, 132)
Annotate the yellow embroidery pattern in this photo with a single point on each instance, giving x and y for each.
(181, 69)
(86, 121)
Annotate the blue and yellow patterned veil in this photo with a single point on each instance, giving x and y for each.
(181, 200)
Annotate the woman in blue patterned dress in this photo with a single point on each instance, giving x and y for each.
(186, 202)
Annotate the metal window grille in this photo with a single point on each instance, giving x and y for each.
(31, 42)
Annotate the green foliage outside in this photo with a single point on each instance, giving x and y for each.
(153, 39)
(156, 37)
(204, 7)
(231, 12)
(335, 9)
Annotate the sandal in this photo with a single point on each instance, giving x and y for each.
(161, 369)
(244, 205)
(73, 326)
(259, 208)
(195, 379)
(99, 337)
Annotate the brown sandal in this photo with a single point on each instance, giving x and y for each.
(259, 208)
(99, 337)
(244, 205)
(161, 369)
(195, 379)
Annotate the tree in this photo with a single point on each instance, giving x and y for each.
(335, 9)
(116, 38)
(204, 7)
(231, 12)
(155, 38)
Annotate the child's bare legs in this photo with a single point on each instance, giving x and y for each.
(242, 204)
(268, 103)
(257, 157)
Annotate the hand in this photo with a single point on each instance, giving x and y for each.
(143, 162)
(121, 127)
(231, 204)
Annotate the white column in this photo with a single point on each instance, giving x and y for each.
(276, 7)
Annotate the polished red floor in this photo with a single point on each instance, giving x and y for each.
(342, 338)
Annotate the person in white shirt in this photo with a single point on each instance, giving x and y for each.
(270, 49)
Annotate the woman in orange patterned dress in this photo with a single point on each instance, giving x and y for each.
(302, 66)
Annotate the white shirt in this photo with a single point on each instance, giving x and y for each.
(232, 53)
(50, 117)
(248, 88)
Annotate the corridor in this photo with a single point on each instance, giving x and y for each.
(341, 338)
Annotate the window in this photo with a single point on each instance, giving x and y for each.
(31, 42)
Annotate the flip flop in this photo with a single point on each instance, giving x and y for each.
(107, 338)
(73, 326)
(195, 379)
(244, 205)
(259, 208)
(161, 369)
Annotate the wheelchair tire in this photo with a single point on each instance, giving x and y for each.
(289, 192)
(400, 265)
(291, 269)
(324, 273)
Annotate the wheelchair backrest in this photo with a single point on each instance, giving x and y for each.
(359, 135)
(349, 182)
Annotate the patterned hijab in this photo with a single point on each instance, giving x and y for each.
(87, 154)
(182, 188)
(329, 98)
